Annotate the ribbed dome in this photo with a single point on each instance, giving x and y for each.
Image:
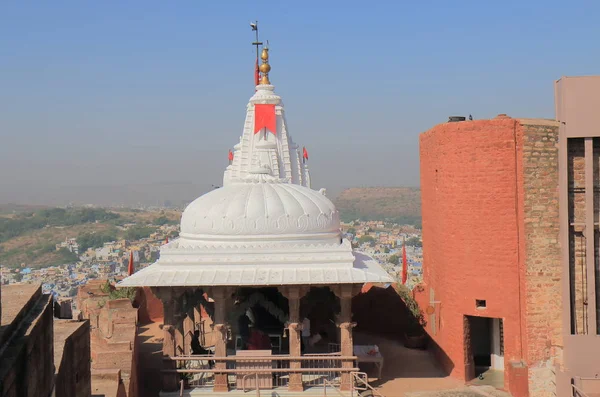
(259, 209)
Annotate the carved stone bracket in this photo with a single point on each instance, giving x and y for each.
(295, 326)
(346, 290)
(293, 291)
(346, 325)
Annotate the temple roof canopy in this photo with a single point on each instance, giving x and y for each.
(260, 208)
(363, 269)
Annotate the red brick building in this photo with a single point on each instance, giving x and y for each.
(490, 243)
(511, 239)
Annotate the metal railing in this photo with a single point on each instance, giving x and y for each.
(335, 387)
(577, 392)
(579, 383)
(360, 383)
(269, 371)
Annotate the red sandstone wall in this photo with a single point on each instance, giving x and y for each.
(73, 375)
(27, 366)
(114, 341)
(469, 179)
(150, 308)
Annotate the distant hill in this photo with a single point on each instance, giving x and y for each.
(30, 236)
(12, 208)
(397, 204)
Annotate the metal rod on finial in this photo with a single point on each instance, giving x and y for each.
(254, 26)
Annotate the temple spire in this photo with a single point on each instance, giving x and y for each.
(265, 68)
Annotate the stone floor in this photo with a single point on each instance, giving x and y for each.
(406, 370)
(150, 359)
(491, 377)
(473, 391)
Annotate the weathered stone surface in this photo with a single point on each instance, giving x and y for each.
(113, 339)
(72, 358)
(27, 359)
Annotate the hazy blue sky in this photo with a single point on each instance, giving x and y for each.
(103, 99)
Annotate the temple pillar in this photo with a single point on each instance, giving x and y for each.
(170, 381)
(189, 301)
(293, 295)
(197, 315)
(220, 296)
(179, 316)
(345, 293)
(188, 334)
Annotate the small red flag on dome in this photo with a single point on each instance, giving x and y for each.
(230, 155)
(304, 153)
(264, 117)
(167, 240)
(131, 269)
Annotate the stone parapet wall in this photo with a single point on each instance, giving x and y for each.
(113, 341)
(27, 358)
(72, 358)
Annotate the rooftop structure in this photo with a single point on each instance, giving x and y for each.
(265, 226)
(514, 292)
(264, 250)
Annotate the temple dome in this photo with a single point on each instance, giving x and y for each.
(262, 207)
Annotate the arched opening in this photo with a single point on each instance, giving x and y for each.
(321, 307)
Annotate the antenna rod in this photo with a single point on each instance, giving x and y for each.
(257, 43)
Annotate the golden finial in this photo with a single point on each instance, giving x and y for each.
(265, 68)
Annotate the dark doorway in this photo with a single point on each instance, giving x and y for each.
(484, 341)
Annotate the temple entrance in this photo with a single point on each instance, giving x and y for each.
(259, 316)
(320, 307)
(257, 335)
(485, 342)
(258, 319)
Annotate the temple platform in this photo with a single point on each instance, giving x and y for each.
(275, 392)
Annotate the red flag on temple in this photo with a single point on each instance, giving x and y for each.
(230, 156)
(264, 117)
(131, 269)
(167, 240)
(304, 153)
(404, 264)
(256, 73)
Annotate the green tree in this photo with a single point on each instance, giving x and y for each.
(414, 242)
(395, 259)
(163, 220)
(94, 240)
(366, 239)
(138, 232)
(65, 256)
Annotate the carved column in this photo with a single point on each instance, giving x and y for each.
(179, 315)
(188, 334)
(170, 381)
(345, 293)
(220, 296)
(188, 320)
(293, 295)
